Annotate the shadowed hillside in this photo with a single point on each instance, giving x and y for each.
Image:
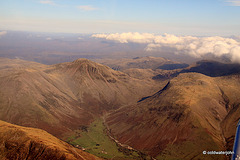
(206, 67)
(213, 68)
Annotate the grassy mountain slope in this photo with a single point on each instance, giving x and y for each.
(30, 143)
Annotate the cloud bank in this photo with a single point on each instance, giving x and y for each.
(127, 37)
(193, 46)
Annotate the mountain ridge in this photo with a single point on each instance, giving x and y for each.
(177, 116)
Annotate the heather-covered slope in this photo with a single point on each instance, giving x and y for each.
(230, 86)
(29, 143)
(181, 120)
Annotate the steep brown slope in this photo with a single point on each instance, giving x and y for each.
(180, 121)
(230, 86)
(31, 97)
(63, 97)
(29, 143)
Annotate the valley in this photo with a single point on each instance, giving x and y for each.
(136, 113)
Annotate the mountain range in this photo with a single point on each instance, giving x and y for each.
(165, 112)
(148, 62)
(59, 98)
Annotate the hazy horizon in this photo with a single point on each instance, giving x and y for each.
(195, 18)
(50, 48)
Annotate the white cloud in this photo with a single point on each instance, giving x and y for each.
(234, 2)
(86, 8)
(198, 47)
(100, 35)
(128, 37)
(47, 2)
(193, 46)
(48, 38)
(235, 54)
(3, 33)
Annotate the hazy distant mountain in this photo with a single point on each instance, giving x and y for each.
(206, 67)
(213, 68)
(183, 119)
(142, 63)
(63, 97)
(31, 143)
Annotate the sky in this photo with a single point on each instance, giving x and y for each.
(179, 17)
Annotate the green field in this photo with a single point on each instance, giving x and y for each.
(94, 140)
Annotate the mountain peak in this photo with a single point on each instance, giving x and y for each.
(82, 66)
(82, 60)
